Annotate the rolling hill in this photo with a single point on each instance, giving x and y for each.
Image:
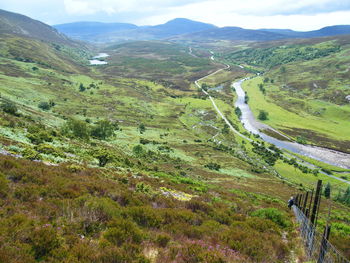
(20, 25)
(185, 30)
(109, 32)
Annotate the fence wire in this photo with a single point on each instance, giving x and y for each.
(318, 249)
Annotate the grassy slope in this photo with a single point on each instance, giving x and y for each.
(334, 124)
(179, 118)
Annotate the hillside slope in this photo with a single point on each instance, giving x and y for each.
(12, 23)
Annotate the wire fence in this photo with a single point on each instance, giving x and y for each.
(317, 246)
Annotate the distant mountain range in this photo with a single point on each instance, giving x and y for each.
(184, 29)
(179, 29)
(111, 32)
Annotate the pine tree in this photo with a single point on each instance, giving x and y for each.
(327, 190)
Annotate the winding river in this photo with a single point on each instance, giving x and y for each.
(252, 125)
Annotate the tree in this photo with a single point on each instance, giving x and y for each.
(327, 190)
(9, 107)
(81, 87)
(44, 105)
(238, 112)
(263, 115)
(78, 128)
(142, 128)
(138, 150)
(103, 156)
(283, 71)
(246, 98)
(103, 129)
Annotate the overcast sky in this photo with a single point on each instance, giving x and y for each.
(294, 14)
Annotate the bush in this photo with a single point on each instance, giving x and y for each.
(49, 149)
(213, 166)
(9, 107)
(274, 215)
(123, 231)
(3, 186)
(103, 130)
(162, 240)
(103, 156)
(77, 129)
(30, 154)
(138, 150)
(44, 240)
(44, 105)
(263, 115)
(145, 216)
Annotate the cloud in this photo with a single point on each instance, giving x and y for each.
(86, 7)
(296, 14)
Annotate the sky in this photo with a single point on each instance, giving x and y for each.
(299, 15)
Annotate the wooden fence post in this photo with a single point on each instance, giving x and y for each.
(323, 248)
(312, 193)
(305, 202)
(316, 201)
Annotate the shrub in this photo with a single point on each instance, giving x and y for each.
(77, 128)
(238, 112)
(213, 166)
(103, 130)
(9, 107)
(103, 156)
(123, 231)
(30, 154)
(44, 105)
(138, 150)
(44, 239)
(263, 115)
(142, 128)
(49, 149)
(38, 135)
(145, 216)
(274, 215)
(3, 186)
(162, 240)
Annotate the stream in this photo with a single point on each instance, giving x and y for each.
(252, 125)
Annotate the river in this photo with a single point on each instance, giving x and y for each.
(96, 60)
(252, 125)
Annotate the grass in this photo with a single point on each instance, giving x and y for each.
(332, 127)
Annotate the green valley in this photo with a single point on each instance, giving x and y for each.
(129, 161)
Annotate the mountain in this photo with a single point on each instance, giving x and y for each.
(20, 25)
(232, 33)
(323, 32)
(237, 33)
(89, 30)
(26, 40)
(178, 26)
(109, 32)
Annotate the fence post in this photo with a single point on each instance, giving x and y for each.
(305, 202)
(316, 201)
(312, 193)
(323, 248)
